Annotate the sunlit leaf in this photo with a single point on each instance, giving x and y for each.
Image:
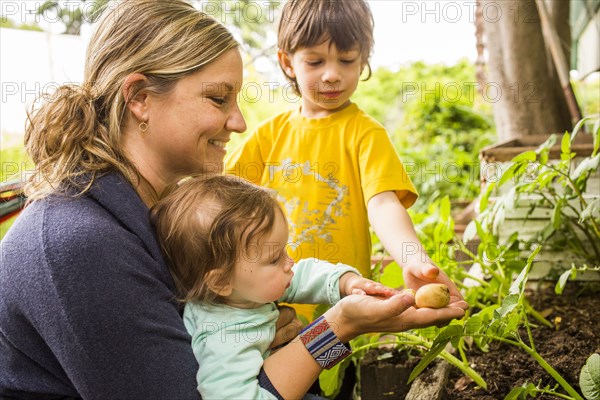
(589, 378)
(556, 218)
(509, 303)
(330, 380)
(470, 232)
(588, 164)
(565, 144)
(392, 276)
(426, 360)
(562, 280)
(529, 155)
(591, 211)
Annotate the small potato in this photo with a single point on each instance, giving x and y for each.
(434, 295)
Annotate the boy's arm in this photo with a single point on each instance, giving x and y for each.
(395, 229)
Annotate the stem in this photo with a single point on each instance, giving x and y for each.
(465, 368)
(377, 344)
(529, 334)
(478, 280)
(465, 250)
(561, 381)
(587, 234)
(530, 310)
(553, 393)
(552, 372)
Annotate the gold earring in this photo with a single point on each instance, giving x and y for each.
(143, 126)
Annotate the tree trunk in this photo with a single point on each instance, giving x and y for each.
(522, 81)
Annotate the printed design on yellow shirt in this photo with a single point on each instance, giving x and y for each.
(307, 222)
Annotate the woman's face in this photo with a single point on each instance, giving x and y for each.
(189, 127)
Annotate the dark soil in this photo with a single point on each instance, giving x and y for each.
(566, 347)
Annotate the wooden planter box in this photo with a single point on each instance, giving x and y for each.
(495, 159)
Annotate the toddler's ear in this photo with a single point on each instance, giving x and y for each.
(286, 63)
(218, 284)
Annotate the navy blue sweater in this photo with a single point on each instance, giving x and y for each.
(87, 304)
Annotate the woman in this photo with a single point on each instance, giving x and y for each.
(88, 307)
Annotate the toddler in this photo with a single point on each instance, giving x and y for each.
(225, 240)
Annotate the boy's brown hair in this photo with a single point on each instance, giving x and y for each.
(205, 223)
(344, 23)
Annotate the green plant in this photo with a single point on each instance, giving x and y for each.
(500, 323)
(504, 311)
(558, 187)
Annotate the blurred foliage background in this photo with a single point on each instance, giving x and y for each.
(435, 115)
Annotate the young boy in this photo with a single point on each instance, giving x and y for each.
(226, 243)
(334, 167)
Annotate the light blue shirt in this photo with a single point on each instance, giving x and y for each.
(231, 343)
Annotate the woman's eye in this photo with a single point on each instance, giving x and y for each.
(219, 100)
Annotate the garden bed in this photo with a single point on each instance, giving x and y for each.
(566, 347)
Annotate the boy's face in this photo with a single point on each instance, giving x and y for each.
(326, 77)
(264, 271)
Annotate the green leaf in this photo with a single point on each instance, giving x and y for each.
(565, 144)
(526, 156)
(562, 280)
(448, 333)
(589, 378)
(484, 201)
(522, 392)
(551, 141)
(426, 360)
(531, 257)
(392, 276)
(556, 218)
(588, 164)
(547, 231)
(578, 127)
(515, 393)
(330, 380)
(591, 211)
(509, 303)
(544, 156)
(445, 208)
(509, 173)
(596, 134)
(470, 232)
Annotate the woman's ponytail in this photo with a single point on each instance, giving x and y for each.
(68, 142)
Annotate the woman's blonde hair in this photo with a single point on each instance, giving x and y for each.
(75, 134)
(207, 222)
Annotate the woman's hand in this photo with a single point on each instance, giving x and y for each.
(351, 283)
(287, 326)
(417, 275)
(355, 315)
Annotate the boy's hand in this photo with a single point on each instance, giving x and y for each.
(350, 283)
(417, 275)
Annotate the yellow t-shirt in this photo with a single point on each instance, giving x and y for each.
(324, 172)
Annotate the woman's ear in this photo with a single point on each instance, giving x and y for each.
(135, 97)
(218, 284)
(286, 63)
